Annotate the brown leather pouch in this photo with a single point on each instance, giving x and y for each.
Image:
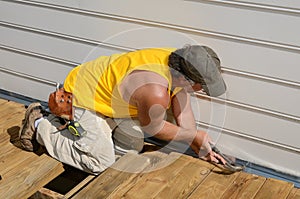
(60, 104)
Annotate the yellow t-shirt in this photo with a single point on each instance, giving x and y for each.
(95, 84)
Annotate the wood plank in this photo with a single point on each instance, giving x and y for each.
(79, 186)
(12, 119)
(3, 136)
(45, 193)
(186, 180)
(3, 101)
(4, 106)
(11, 107)
(153, 181)
(154, 157)
(274, 188)
(214, 185)
(123, 171)
(6, 145)
(244, 186)
(23, 181)
(294, 194)
(13, 159)
(150, 175)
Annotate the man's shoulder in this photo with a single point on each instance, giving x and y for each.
(152, 94)
(146, 81)
(148, 77)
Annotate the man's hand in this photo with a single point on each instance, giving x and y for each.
(213, 157)
(205, 151)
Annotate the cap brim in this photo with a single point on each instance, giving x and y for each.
(215, 89)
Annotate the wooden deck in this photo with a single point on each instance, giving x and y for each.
(155, 175)
(148, 175)
(22, 173)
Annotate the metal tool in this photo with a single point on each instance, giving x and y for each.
(229, 165)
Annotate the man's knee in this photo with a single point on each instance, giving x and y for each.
(128, 139)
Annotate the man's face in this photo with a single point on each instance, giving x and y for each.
(187, 84)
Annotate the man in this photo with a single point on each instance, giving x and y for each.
(127, 96)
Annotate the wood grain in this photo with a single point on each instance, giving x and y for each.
(149, 175)
(244, 186)
(27, 178)
(186, 180)
(109, 181)
(294, 194)
(22, 173)
(273, 188)
(214, 185)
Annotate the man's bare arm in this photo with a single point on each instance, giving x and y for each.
(152, 100)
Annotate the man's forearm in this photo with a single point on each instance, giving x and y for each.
(168, 131)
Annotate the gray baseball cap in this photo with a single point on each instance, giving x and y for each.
(202, 65)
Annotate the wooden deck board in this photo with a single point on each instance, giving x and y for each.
(13, 158)
(214, 185)
(25, 179)
(179, 176)
(189, 177)
(122, 172)
(155, 181)
(149, 175)
(273, 188)
(244, 186)
(22, 172)
(294, 194)
(6, 149)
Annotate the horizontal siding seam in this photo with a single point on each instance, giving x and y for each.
(252, 5)
(224, 36)
(27, 76)
(63, 36)
(265, 111)
(250, 137)
(220, 100)
(108, 45)
(278, 81)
